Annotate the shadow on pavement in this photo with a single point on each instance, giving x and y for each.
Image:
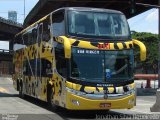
(8, 95)
(69, 114)
(146, 92)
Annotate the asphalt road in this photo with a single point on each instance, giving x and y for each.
(14, 108)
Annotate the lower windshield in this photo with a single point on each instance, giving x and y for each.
(101, 66)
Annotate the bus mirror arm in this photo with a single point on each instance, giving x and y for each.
(142, 49)
(67, 48)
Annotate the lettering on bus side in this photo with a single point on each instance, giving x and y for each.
(104, 46)
(82, 51)
(104, 85)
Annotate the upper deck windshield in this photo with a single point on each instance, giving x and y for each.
(98, 24)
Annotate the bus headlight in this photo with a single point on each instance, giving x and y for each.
(75, 102)
(75, 92)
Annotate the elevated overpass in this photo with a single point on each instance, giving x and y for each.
(6, 55)
(44, 7)
(8, 29)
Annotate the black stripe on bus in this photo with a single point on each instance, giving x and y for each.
(124, 45)
(76, 43)
(116, 46)
(130, 45)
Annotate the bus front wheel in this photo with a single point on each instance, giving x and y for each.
(21, 94)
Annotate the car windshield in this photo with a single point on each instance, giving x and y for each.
(101, 66)
(98, 24)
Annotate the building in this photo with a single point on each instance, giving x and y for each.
(12, 15)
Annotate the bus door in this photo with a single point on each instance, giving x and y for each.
(38, 66)
(58, 29)
(44, 60)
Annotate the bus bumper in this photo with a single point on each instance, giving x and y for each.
(75, 102)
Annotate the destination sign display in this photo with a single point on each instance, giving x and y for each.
(84, 51)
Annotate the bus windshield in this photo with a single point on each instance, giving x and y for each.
(98, 24)
(101, 66)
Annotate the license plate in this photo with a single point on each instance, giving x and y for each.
(105, 105)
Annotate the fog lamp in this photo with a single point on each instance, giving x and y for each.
(131, 101)
(76, 102)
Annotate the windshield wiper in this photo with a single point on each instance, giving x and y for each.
(120, 70)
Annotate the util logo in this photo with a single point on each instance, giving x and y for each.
(104, 46)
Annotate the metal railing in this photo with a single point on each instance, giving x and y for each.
(3, 51)
(10, 22)
(148, 78)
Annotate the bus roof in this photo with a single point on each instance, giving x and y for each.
(92, 9)
(72, 8)
(24, 30)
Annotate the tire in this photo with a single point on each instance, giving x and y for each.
(17, 85)
(50, 98)
(21, 94)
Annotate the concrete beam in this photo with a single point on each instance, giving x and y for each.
(6, 58)
(8, 29)
(40, 9)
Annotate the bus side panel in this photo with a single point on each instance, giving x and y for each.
(58, 82)
(59, 90)
(18, 69)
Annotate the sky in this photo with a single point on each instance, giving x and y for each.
(145, 22)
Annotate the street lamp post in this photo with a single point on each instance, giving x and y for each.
(159, 45)
(24, 9)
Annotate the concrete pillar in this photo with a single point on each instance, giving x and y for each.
(148, 85)
(10, 64)
(159, 46)
(11, 44)
(156, 106)
(10, 67)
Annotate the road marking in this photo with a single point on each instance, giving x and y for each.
(143, 104)
(3, 90)
(146, 101)
(10, 79)
(140, 111)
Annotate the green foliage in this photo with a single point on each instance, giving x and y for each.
(151, 42)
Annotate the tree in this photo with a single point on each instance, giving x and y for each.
(151, 42)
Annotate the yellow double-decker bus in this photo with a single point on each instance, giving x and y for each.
(78, 58)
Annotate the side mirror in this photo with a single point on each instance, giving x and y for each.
(142, 49)
(67, 47)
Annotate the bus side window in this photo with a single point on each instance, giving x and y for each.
(61, 63)
(58, 24)
(40, 33)
(46, 30)
(46, 68)
(25, 39)
(34, 35)
(39, 67)
(18, 43)
(26, 68)
(29, 37)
